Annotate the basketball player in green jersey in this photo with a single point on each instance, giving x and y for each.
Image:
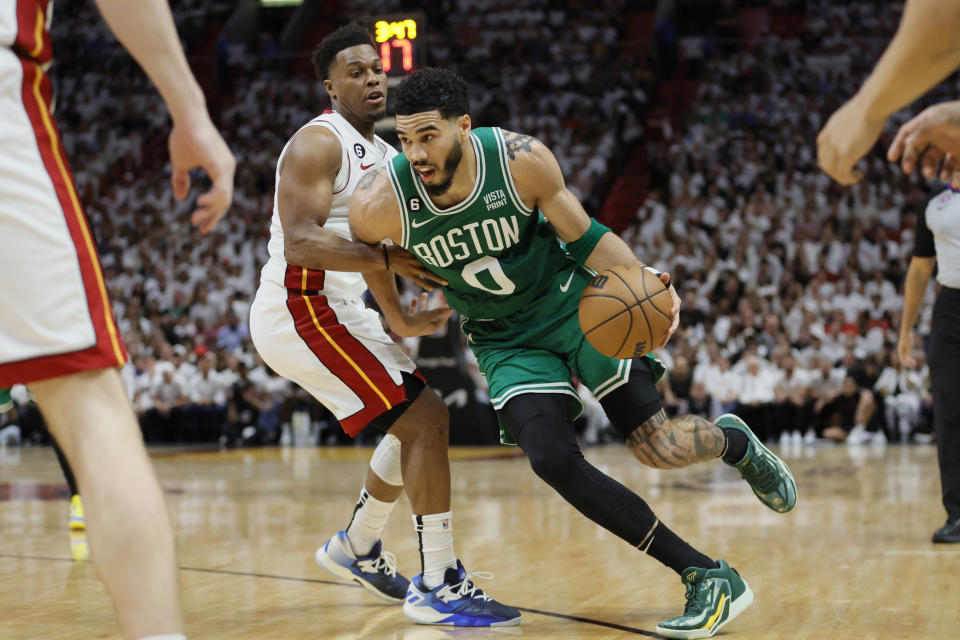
(487, 210)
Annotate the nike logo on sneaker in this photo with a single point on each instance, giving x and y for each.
(566, 286)
(364, 167)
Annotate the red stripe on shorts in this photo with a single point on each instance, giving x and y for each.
(345, 357)
(109, 350)
(294, 278)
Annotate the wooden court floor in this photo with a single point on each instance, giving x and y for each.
(853, 560)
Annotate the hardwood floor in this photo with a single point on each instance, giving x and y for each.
(853, 560)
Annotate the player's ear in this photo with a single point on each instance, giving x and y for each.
(328, 85)
(464, 124)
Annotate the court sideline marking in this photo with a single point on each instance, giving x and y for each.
(552, 614)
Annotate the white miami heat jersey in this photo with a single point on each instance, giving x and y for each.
(358, 157)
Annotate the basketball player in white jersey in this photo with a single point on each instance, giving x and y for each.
(57, 332)
(309, 323)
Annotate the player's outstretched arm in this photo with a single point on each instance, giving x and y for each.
(924, 51)
(540, 183)
(149, 35)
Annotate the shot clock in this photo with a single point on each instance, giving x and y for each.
(399, 38)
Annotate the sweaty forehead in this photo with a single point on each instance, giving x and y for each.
(414, 122)
(362, 54)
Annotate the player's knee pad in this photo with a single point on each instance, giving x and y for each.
(385, 461)
(631, 404)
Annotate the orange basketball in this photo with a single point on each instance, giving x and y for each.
(625, 311)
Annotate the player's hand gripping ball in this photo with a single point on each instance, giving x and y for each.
(625, 311)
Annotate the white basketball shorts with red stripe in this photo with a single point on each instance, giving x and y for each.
(333, 347)
(55, 317)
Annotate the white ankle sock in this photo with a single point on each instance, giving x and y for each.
(166, 636)
(369, 518)
(435, 537)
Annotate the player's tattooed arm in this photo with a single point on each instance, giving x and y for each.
(665, 443)
(517, 143)
(368, 180)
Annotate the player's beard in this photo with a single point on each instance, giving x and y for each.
(450, 164)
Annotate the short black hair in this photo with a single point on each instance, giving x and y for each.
(349, 35)
(430, 89)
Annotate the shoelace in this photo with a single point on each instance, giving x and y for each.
(465, 588)
(385, 561)
(763, 476)
(696, 598)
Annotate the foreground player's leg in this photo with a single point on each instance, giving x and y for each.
(444, 593)
(357, 553)
(90, 416)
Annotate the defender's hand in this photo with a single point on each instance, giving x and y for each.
(405, 264)
(419, 320)
(197, 143)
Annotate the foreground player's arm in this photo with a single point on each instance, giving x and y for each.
(149, 35)
(918, 277)
(924, 51)
(540, 183)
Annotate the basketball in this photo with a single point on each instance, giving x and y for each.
(625, 311)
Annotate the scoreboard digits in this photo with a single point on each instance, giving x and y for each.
(397, 39)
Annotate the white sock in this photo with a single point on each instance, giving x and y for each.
(369, 518)
(435, 537)
(166, 636)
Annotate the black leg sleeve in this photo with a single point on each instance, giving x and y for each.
(541, 425)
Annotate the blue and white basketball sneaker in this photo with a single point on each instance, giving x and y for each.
(457, 602)
(376, 572)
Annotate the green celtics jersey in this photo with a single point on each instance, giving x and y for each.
(497, 255)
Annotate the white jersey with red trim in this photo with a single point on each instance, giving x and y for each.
(358, 156)
(312, 326)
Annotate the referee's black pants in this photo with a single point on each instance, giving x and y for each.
(944, 359)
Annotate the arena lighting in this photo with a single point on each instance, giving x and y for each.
(280, 3)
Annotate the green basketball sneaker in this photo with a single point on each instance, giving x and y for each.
(6, 401)
(714, 598)
(768, 476)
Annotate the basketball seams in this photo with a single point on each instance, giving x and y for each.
(659, 310)
(626, 309)
(612, 326)
(649, 329)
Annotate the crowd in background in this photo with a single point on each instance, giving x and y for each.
(792, 286)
